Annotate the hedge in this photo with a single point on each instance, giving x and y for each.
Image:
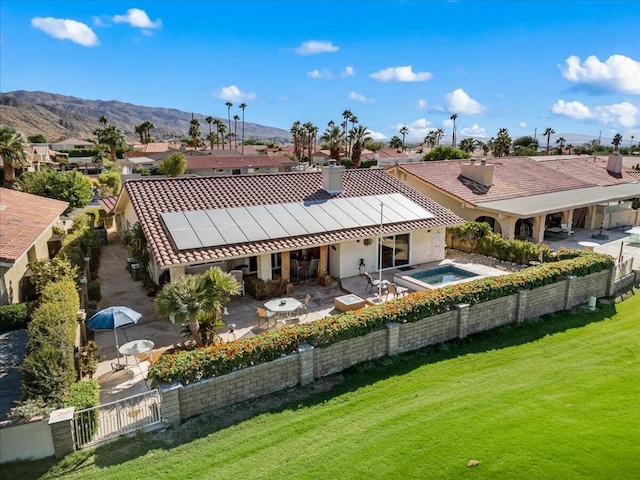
(82, 395)
(13, 317)
(219, 359)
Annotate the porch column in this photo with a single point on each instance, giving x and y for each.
(285, 264)
(176, 272)
(538, 228)
(264, 266)
(323, 264)
(508, 225)
(567, 217)
(590, 221)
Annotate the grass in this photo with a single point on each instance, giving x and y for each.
(554, 398)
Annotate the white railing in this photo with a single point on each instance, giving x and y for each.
(105, 422)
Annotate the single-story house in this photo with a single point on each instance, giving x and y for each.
(522, 197)
(72, 144)
(264, 223)
(26, 230)
(237, 164)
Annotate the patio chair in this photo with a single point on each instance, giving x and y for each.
(566, 230)
(304, 308)
(295, 269)
(313, 269)
(371, 282)
(396, 290)
(265, 315)
(238, 276)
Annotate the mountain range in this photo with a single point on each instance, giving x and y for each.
(56, 116)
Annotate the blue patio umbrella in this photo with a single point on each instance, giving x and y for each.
(112, 318)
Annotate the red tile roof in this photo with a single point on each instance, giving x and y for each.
(202, 162)
(23, 218)
(108, 203)
(515, 177)
(152, 197)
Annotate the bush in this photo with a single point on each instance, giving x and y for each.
(83, 394)
(261, 289)
(30, 408)
(219, 359)
(13, 317)
(47, 374)
(93, 290)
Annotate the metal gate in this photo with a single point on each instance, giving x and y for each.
(111, 420)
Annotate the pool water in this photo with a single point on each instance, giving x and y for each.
(443, 275)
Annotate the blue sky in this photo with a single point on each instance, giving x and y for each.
(522, 65)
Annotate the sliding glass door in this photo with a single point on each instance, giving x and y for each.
(395, 251)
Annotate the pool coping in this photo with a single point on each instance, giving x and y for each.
(481, 271)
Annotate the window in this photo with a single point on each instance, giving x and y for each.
(395, 251)
(236, 171)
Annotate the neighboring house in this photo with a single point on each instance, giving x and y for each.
(26, 227)
(521, 197)
(147, 148)
(387, 157)
(237, 164)
(72, 144)
(264, 223)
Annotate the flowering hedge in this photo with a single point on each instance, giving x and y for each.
(192, 366)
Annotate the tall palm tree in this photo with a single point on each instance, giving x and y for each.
(103, 120)
(219, 128)
(243, 106)
(333, 139)
(502, 143)
(139, 129)
(547, 133)
(209, 120)
(12, 150)
(229, 105)
(467, 145)
(148, 126)
(347, 116)
(222, 129)
(617, 140)
(235, 129)
(194, 132)
(395, 142)
(453, 136)
(560, 141)
(403, 131)
(296, 131)
(112, 137)
(359, 136)
(220, 287)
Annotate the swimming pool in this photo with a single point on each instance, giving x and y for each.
(435, 277)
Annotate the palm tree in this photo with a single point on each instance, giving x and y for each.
(560, 141)
(112, 137)
(617, 140)
(219, 287)
(243, 106)
(139, 129)
(547, 133)
(194, 132)
(12, 151)
(403, 131)
(431, 139)
(359, 136)
(631, 144)
(501, 143)
(222, 129)
(439, 135)
(148, 126)
(235, 129)
(347, 116)
(296, 132)
(219, 127)
(333, 139)
(453, 136)
(103, 120)
(467, 145)
(229, 105)
(209, 120)
(395, 142)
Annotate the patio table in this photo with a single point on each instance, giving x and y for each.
(286, 306)
(135, 347)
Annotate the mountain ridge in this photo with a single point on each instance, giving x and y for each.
(56, 115)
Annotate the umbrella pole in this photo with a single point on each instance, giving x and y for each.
(115, 332)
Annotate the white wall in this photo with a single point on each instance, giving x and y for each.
(26, 441)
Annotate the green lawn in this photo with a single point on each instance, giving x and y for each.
(552, 399)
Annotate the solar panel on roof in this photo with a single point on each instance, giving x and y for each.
(209, 228)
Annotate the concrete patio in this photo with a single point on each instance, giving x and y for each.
(119, 288)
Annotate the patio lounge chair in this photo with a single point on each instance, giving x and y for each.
(371, 283)
(238, 276)
(566, 230)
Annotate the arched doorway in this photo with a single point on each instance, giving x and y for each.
(495, 226)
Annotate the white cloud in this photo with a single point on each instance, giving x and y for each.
(623, 114)
(618, 73)
(65, 29)
(358, 97)
(347, 72)
(324, 73)
(417, 129)
(137, 18)
(474, 131)
(401, 74)
(313, 47)
(422, 104)
(377, 135)
(575, 110)
(461, 103)
(523, 125)
(234, 94)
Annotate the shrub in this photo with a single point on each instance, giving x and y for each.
(30, 408)
(13, 317)
(93, 291)
(83, 394)
(187, 367)
(47, 374)
(261, 289)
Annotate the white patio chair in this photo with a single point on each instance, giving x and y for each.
(238, 276)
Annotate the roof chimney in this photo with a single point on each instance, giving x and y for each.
(333, 178)
(480, 173)
(614, 165)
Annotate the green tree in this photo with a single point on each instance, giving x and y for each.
(371, 144)
(444, 152)
(109, 183)
(229, 105)
(395, 142)
(617, 140)
(12, 150)
(70, 186)
(38, 138)
(220, 287)
(453, 117)
(174, 165)
(209, 121)
(526, 146)
(467, 145)
(333, 140)
(547, 133)
(403, 131)
(502, 143)
(111, 136)
(242, 107)
(194, 132)
(359, 135)
(235, 129)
